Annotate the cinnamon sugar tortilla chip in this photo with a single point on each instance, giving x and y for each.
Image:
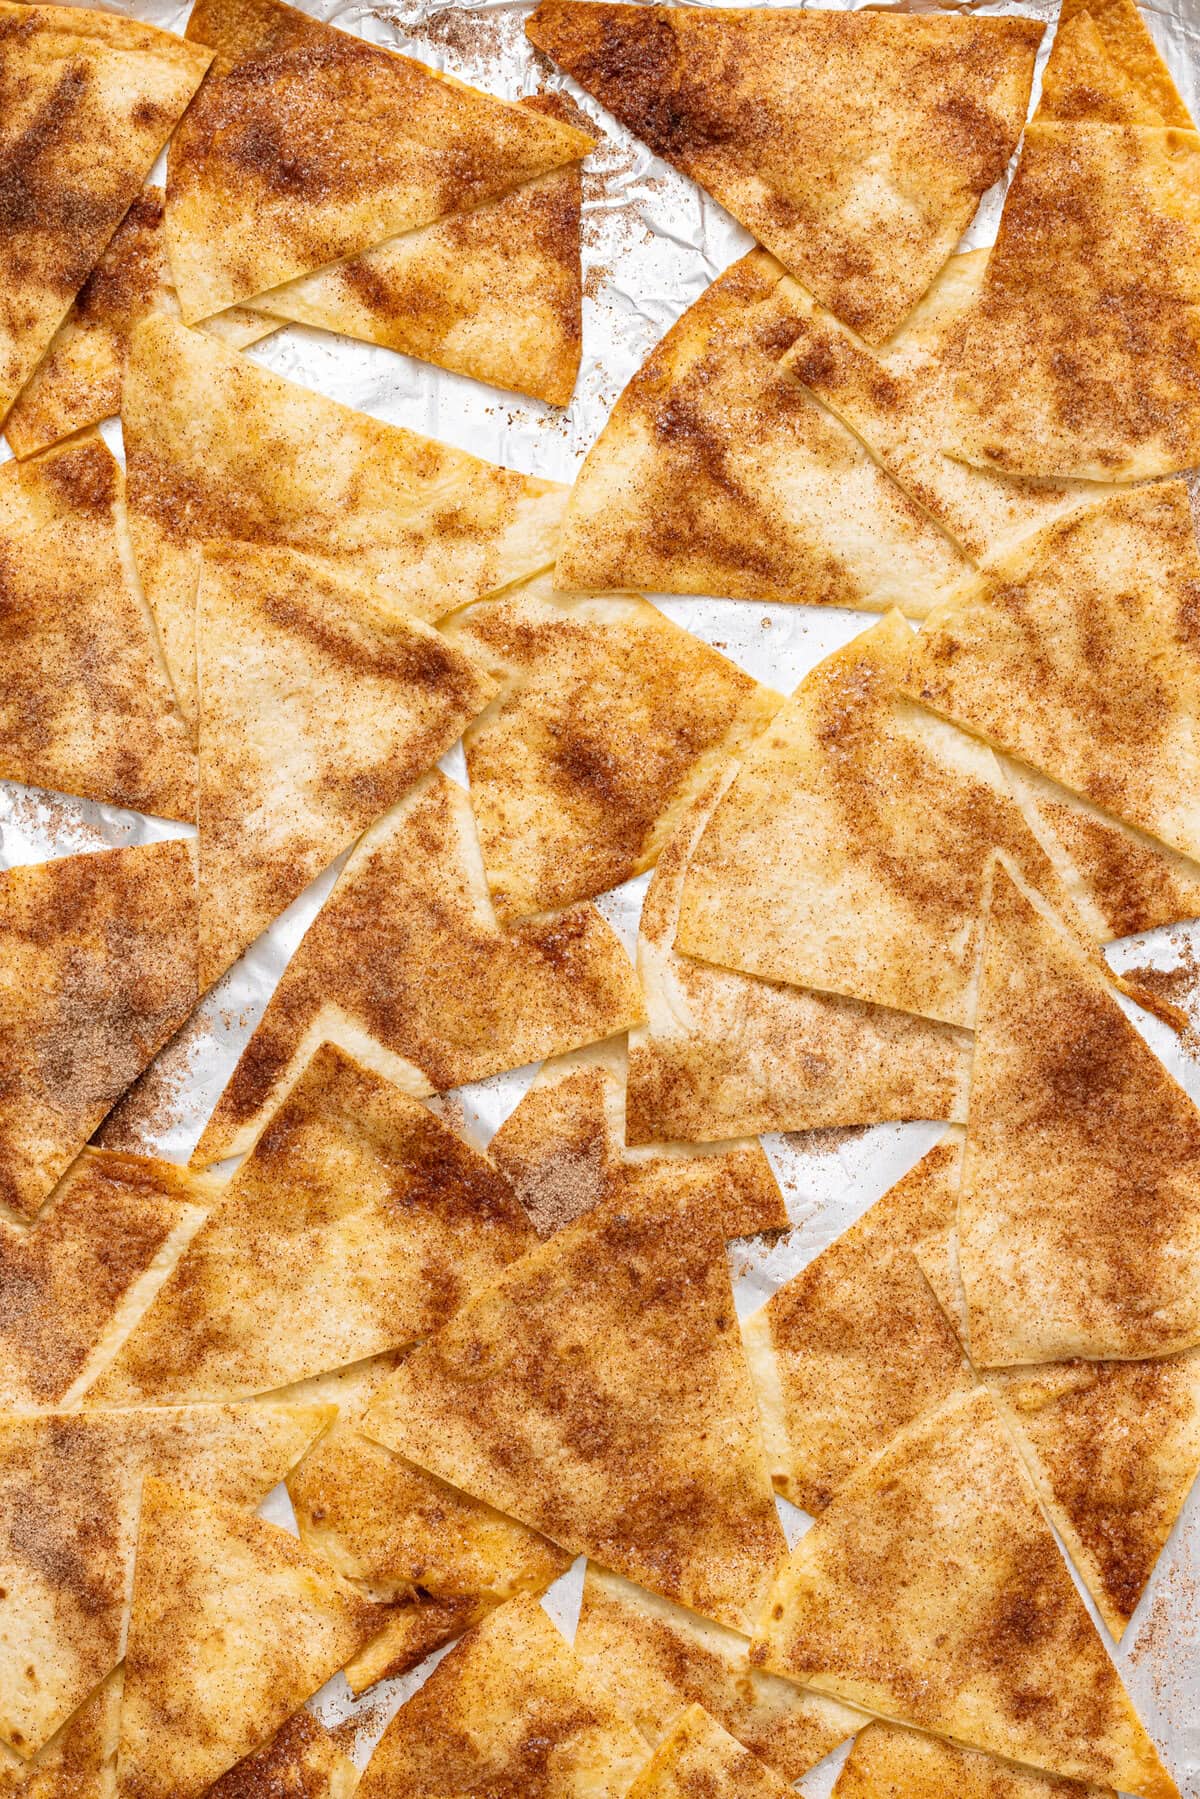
(302, 1761)
(406, 968)
(1130, 50)
(308, 145)
(78, 1760)
(824, 133)
(697, 1759)
(931, 1591)
(888, 1762)
(1082, 83)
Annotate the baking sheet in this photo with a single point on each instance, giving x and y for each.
(652, 242)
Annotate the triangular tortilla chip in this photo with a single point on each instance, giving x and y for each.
(509, 1710)
(78, 381)
(496, 293)
(1079, 1212)
(97, 970)
(301, 1761)
(1129, 50)
(88, 99)
(851, 851)
(825, 133)
(86, 704)
(406, 968)
(723, 1054)
(73, 1284)
(608, 719)
(894, 398)
(233, 1625)
(888, 1762)
(220, 448)
(308, 145)
(320, 704)
(598, 1391)
(931, 1591)
(563, 1149)
(1083, 353)
(717, 474)
(697, 1759)
(1082, 84)
(855, 1346)
(357, 1225)
(1074, 652)
(79, 1759)
(655, 1659)
(440, 1559)
(69, 1492)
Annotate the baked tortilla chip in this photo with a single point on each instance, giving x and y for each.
(563, 1149)
(301, 1761)
(509, 1710)
(232, 1626)
(888, 1762)
(320, 704)
(1082, 84)
(86, 704)
(851, 851)
(357, 1225)
(439, 1559)
(1132, 67)
(98, 954)
(88, 99)
(219, 448)
(893, 398)
(406, 968)
(73, 1283)
(855, 1346)
(1083, 353)
(1079, 1211)
(825, 133)
(599, 1392)
(655, 1659)
(607, 720)
(308, 145)
(697, 1759)
(79, 1759)
(932, 1592)
(723, 1054)
(66, 1566)
(496, 293)
(717, 474)
(1075, 652)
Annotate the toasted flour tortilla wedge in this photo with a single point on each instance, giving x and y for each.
(86, 704)
(439, 1559)
(931, 1591)
(233, 1625)
(98, 954)
(607, 720)
(723, 1054)
(655, 1659)
(88, 99)
(823, 133)
(1079, 1215)
(73, 1284)
(219, 448)
(496, 293)
(78, 381)
(1083, 84)
(856, 1346)
(309, 145)
(893, 398)
(510, 1709)
(851, 851)
(717, 474)
(66, 1567)
(697, 1759)
(599, 1392)
(320, 705)
(357, 1225)
(1083, 353)
(1074, 651)
(407, 969)
(889, 1762)
(78, 1760)
(563, 1149)
(301, 1760)
(1131, 50)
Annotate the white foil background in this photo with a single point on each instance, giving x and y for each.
(652, 243)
